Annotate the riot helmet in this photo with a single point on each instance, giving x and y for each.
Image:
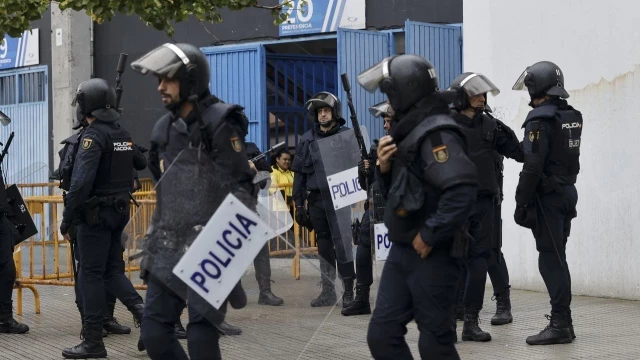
(405, 79)
(382, 109)
(468, 85)
(321, 100)
(183, 62)
(542, 78)
(96, 98)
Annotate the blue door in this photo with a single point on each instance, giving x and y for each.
(440, 44)
(357, 51)
(291, 81)
(238, 76)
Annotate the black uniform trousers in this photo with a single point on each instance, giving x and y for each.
(326, 247)
(498, 272)
(420, 289)
(109, 298)
(559, 208)
(162, 311)
(7, 266)
(481, 230)
(364, 261)
(100, 250)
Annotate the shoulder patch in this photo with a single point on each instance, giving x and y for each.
(86, 143)
(440, 153)
(236, 144)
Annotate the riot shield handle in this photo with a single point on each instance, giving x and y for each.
(119, 71)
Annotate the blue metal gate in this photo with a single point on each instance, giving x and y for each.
(441, 44)
(24, 98)
(238, 76)
(291, 81)
(357, 51)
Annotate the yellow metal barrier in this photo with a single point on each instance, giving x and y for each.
(45, 210)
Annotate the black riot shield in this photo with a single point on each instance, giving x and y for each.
(335, 161)
(203, 234)
(19, 214)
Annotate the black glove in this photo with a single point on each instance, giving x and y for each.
(302, 218)
(64, 227)
(362, 170)
(526, 216)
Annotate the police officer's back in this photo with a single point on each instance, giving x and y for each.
(98, 198)
(430, 186)
(546, 196)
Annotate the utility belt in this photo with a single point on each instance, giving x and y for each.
(92, 206)
(552, 184)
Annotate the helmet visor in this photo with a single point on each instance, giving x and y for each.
(4, 119)
(370, 79)
(163, 61)
(519, 85)
(382, 109)
(476, 84)
(323, 99)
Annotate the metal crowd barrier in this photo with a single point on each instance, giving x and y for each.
(45, 205)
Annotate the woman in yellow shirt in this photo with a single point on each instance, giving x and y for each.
(282, 176)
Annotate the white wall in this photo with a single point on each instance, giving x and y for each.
(596, 44)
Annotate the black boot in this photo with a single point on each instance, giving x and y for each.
(9, 325)
(91, 346)
(328, 295)
(557, 332)
(573, 333)
(267, 297)
(111, 324)
(503, 309)
(137, 311)
(361, 305)
(347, 295)
(228, 329)
(181, 333)
(471, 329)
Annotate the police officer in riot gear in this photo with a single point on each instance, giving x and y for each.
(364, 261)
(430, 187)
(98, 199)
(262, 262)
(325, 109)
(8, 235)
(184, 76)
(63, 174)
(546, 195)
(485, 136)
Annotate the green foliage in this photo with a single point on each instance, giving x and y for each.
(16, 15)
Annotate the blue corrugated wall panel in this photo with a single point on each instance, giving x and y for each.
(357, 51)
(440, 44)
(238, 76)
(24, 98)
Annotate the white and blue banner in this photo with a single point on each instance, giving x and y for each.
(22, 51)
(319, 16)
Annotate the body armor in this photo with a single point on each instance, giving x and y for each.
(563, 160)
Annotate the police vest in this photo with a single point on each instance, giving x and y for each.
(564, 148)
(115, 171)
(481, 151)
(405, 218)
